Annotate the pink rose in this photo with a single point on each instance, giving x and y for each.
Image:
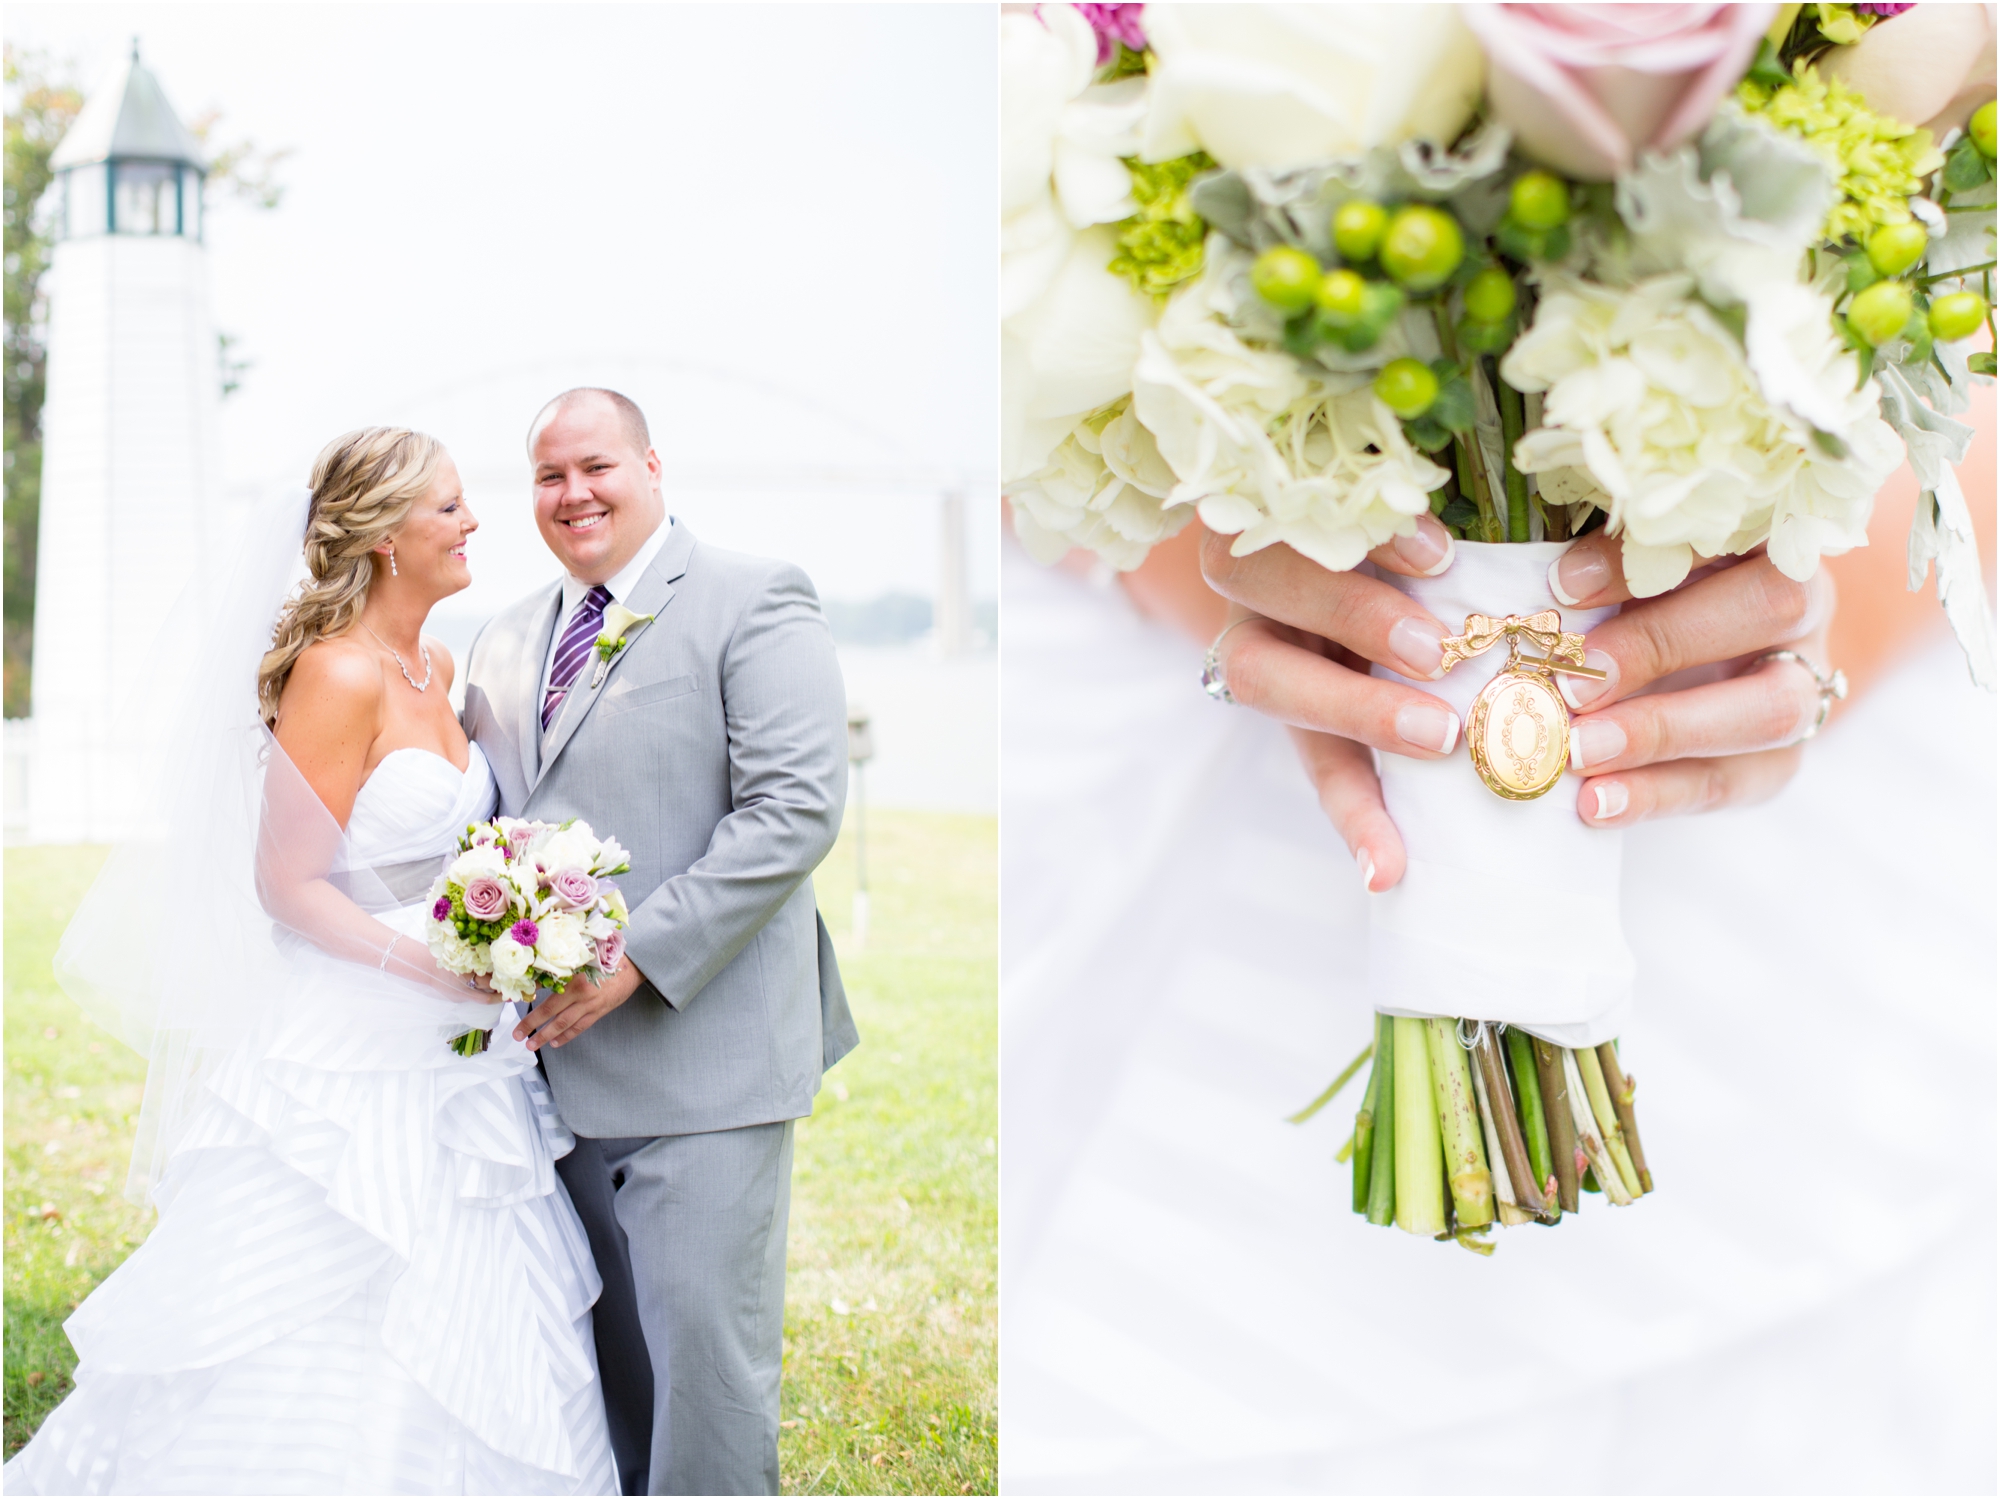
(573, 888)
(1586, 88)
(611, 952)
(1931, 66)
(485, 898)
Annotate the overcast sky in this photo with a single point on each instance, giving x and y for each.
(773, 225)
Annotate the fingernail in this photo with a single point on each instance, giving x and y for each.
(1595, 741)
(1577, 574)
(1581, 692)
(1611, 800)
(1429, 551)
(1428, 726)
(1419, 645)
(1367, 867)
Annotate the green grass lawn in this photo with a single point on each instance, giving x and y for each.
(891, 1301)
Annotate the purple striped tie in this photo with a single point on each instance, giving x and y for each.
(574, 649)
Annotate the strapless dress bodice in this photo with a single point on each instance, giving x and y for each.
(414, 806)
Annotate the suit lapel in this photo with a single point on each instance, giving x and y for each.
(654, 593)
(527, 715)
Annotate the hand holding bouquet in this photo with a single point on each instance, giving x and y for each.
(529, 905)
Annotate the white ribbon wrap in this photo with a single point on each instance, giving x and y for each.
(1507, 910)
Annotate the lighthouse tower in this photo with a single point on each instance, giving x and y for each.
(129, 462)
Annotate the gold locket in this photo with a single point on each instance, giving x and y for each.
(1518, 730)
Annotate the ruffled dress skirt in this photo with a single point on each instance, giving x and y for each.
(366, 1276)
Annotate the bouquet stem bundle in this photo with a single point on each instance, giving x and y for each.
(1466, 1122)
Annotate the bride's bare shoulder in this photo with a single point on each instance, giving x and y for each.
(334, 682)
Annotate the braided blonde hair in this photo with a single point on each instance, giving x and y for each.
(364, 486)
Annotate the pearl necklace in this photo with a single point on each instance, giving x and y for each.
(423, 650)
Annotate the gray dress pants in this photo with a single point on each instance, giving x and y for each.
(689, 1236)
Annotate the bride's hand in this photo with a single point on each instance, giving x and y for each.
(1729, 740)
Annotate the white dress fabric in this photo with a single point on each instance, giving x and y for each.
(1805, 1305)
(366, 1277)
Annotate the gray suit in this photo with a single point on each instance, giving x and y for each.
(714, 750)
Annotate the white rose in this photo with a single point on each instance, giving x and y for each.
(560, 945)
(510, 959)
(573, 847)
(1284, 85)
(469, 865)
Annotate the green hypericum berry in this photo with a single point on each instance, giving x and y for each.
(1489, 297)
(1894, 248)
(1407, 387)
(1485, 338)
(1958, 314)
(1980, 128)
(1879, 313)
(1286, 278)
(1540, 200)
(1342, 298)
(1380, 302)
(1422, 247)
(1357, 228)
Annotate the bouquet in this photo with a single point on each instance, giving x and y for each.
(1700, 277)
(529, 905)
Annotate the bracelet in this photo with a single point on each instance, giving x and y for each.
(384, 964)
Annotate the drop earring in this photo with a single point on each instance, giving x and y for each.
(392, 562)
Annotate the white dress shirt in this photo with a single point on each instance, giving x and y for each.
(620, 585)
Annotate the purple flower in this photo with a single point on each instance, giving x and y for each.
(442, 909)
(485, 898)
(1883, 10)
(1120, 23)
(611, 952)
(525, 932)
(573, 888)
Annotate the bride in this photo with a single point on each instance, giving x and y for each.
(366, 1276)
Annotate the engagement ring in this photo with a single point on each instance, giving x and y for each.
(1831, 688)
(1212, 681)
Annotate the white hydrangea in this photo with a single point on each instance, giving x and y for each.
(1652, 397)
(454, 953)
(1103, 488)
(1269, 450)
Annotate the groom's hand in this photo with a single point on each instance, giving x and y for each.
(565, 1016)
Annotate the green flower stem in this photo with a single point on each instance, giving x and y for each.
(1419, 1161)
(1622, 1088)
(1550, 1073)
(1534, 1127)
(1362, 1143)
(1506, 1125)
(1607, 1118)
(1458, 1125)
(1984, 265)
(1381, 1203)
(1346, 1076)
(1511, 1213)
(1588, 1136)
(1513, 422)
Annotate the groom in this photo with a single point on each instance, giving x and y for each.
(712, 745)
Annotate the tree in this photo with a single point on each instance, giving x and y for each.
(41, 105)
(39, 111)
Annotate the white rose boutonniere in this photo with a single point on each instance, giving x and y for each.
(618, 620)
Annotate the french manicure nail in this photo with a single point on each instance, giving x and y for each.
(1581, 692)
(1612, 799)
(1367, 867)
(1419, 645)
(1429, 551)
(1595, 741)
(1427, 726)
(1577, 574)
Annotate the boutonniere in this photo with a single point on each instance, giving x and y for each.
(617, 621)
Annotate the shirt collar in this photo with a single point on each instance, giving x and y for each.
(621, 583)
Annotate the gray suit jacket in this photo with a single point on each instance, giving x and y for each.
(715, 750)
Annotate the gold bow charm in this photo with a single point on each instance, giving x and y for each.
(1518, 730)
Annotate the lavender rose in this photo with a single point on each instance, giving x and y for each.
(573, 888)
(611, 952)
(485, 898)
(442, 909)
(525, 932)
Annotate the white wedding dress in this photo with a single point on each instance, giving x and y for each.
(1805, 1305)
(366, 1277)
